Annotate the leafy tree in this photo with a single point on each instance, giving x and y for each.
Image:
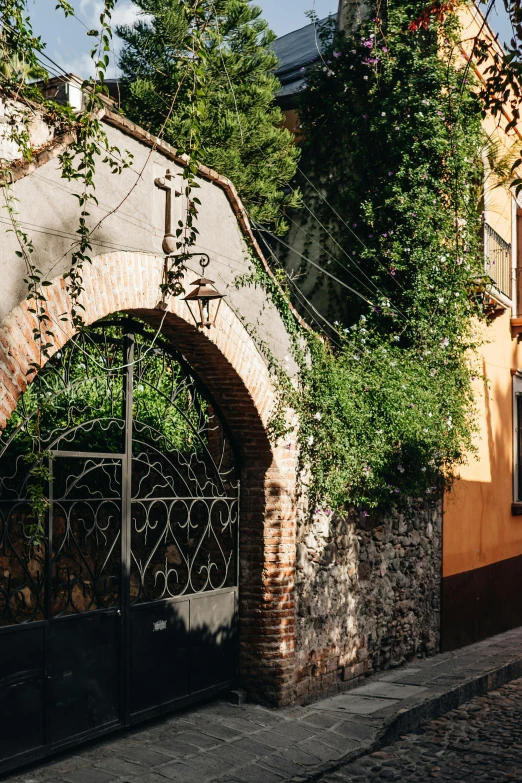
(239, 126)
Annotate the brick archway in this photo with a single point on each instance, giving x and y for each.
(229, 363)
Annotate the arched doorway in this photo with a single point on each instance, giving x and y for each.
(124, 604)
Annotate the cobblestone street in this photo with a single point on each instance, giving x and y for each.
(482, 740)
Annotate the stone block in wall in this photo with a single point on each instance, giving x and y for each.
(368, 588)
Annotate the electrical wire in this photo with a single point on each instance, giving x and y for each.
(262, 230)
(311, 212)
(241, 131)
(346, 269)
(307, 304)
(372, 282)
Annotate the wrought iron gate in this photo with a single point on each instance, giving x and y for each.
(121, 602)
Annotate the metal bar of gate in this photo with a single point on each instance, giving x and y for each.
(48, 610)
(126, 510)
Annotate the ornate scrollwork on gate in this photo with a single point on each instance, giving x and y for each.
(86, 535)
(184, 488)
(126, 425)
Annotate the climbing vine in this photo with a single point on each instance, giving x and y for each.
(391, 177)
(20, 63)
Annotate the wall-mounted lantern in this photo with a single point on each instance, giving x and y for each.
(204, 302)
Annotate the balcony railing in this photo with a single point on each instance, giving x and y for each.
(497, 255)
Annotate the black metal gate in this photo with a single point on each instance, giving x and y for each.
(118, 543)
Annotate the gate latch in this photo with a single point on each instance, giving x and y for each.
(160, 625)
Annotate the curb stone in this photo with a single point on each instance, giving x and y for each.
(409, 719)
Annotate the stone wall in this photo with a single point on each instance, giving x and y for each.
(368, 595)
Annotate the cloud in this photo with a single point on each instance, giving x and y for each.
(79, 63)
(124, 13)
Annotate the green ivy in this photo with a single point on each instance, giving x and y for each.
(392, 172)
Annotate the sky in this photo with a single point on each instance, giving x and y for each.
(68, 45)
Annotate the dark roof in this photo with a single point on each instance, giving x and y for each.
(294, 52)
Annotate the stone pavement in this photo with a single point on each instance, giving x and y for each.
(252, 744)
(482, 740)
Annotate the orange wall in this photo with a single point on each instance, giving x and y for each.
(479, 528)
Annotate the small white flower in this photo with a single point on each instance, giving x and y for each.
(318, 416)
(310, 440)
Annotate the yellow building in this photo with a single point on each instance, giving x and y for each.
(482, 531)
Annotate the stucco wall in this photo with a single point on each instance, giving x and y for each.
(479, 528)
(48, 212)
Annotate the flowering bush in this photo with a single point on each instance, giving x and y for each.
(393, 140)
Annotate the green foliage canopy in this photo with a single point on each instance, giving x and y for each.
(239, 124)
(393, 141)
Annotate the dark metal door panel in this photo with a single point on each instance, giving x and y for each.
(159, 654)
(125, 605)
(212, 640)
(21, 691)
(85, 653)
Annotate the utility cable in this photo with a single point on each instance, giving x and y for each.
(381, 293)
(262, 230)
(334, 258)
(301, 293)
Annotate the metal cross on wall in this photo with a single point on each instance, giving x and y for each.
(166, 183)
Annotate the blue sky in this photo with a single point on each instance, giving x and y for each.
(68, 45)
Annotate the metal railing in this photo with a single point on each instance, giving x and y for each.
(497, 257)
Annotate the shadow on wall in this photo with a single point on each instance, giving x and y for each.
(368, 594)
(482, 563)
